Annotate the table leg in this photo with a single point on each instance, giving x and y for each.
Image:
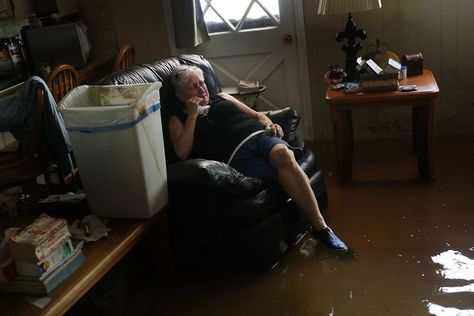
(423, 126)
(351, 130)
(342, 120)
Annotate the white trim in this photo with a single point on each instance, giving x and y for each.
(308, 133)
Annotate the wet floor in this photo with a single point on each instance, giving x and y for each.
(412, 249)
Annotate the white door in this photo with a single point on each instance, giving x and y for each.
(256, 40)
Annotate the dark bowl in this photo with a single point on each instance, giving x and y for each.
(336, 74)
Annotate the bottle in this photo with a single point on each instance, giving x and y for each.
(22, 50)
(15, 54)
(402, 75)
(6, 63)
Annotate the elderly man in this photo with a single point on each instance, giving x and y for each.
(224, 129)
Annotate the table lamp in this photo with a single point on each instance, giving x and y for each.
(351, 32)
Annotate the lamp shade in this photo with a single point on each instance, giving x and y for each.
(346, 6)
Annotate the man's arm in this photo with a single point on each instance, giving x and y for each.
(265, 120)
(182, 136)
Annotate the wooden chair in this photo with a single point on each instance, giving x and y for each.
(22, 167)
(125, 58)
(61, 80)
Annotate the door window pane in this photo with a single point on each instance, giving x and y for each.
(225, 15)
(257, 18)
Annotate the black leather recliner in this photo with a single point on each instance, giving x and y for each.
(219, 217)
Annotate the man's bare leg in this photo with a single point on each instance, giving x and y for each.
(296, 184)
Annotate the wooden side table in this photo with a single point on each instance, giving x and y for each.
(248, 97)
(422, 102)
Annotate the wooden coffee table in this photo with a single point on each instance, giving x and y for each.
(422, 102)
(101, 256)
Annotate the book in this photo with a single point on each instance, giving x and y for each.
(44, 267)
(44, 286)
(36, 241)
(382, 82)
(392, 66)
(369, 67)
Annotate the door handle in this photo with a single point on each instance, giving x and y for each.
(287, 39)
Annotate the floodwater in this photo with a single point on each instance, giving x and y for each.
(411, 249)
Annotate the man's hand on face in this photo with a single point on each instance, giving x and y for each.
(192, 105)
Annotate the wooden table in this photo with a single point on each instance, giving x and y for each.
(101, 256)
(422, 102)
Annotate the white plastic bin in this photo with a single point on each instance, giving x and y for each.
(117, 139)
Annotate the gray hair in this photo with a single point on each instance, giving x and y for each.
(181, 74)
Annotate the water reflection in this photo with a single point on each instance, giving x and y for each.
(457, 289)
(439, 310)
(454, 266)
(313, 248)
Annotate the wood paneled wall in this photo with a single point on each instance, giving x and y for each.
(440, 29)
(114, 23)
(142, 22)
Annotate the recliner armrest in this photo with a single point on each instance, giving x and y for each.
(288, 119)
(202, 174)
(202, 184)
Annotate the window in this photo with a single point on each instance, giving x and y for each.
(238, 15)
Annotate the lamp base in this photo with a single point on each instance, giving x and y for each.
(351, 47)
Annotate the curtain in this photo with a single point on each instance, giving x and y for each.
(189, 27)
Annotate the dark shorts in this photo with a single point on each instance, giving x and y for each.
(252, 158)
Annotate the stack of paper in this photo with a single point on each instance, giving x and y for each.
(44, 256)
(248, 86)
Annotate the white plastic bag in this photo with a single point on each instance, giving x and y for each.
(102, 108)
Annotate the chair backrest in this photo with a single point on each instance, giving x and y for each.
(161, 70)
(61, 80)
(125, 58)
(37, 147)
(26, 166)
